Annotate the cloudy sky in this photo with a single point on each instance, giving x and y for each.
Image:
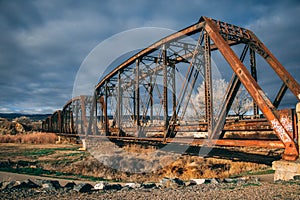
(43, 43)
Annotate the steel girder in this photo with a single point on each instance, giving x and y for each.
(76, 117)
(143, 93)
(218, 32)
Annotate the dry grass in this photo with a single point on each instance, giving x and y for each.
(29, 138)
(130, 163)
(157, 164)
(188, 167)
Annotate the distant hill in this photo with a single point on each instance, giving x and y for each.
(33, 117)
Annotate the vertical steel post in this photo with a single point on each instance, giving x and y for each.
(151, 99)
(254, 75)
(208, 86)
(76, 115)
(92, 125)
(174, 90)
(137, 96)
(67, 120)
(119, 106)
(62, 121)
(83, 113)
(165, 89)
(96, 113)
(72, 122)
(50, 124)
(134, 103)
(232, 90)
(59, 121)
(105, 104)
(101, 114)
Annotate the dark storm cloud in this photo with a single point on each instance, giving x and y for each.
(43, 43)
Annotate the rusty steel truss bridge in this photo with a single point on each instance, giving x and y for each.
(144, 98)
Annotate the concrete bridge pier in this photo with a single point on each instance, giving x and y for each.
(287, 170)
(298, 121)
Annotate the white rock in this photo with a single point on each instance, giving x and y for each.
(133, 185)
(100, 186)
(197, 181)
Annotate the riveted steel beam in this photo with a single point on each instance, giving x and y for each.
(254, 89)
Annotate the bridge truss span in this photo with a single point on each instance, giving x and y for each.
(153, 94)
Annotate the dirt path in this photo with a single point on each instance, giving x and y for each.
(7, 176)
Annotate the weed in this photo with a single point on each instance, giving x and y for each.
(251, 184)
(251, 173)
(44, 152)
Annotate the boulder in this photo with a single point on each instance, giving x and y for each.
(27, 184)
(83, 187)
(101, 185)
(214, 181)
(285, 170)
(49, 184)
(6, 185)
(70, 185)
(133, 185)
(113, 187)
(171, 183)
(197, 181)
(148, 185)
(297, 177)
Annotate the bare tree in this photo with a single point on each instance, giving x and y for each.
(219, 88)
(242, 102)
(241, 105)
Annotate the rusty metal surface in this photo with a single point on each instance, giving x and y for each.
(182, 33)
(89, 116)
(262, 101)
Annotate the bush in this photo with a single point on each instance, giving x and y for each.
(30, 138)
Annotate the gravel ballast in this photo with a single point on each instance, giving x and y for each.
(252, 189)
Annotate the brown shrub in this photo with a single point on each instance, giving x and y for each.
(30, 138)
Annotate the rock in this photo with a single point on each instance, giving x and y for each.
(242, 180)
(133, 185)
(297, 177)
(83, 187)
(197, 181)
(214, 181)
(113, 187)
(101, 185)
(148, 185)
(26, 184)
(230, 180)
(70, 185)
(171, 183)
(285, 170)
(49, 184)
(6, 185)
